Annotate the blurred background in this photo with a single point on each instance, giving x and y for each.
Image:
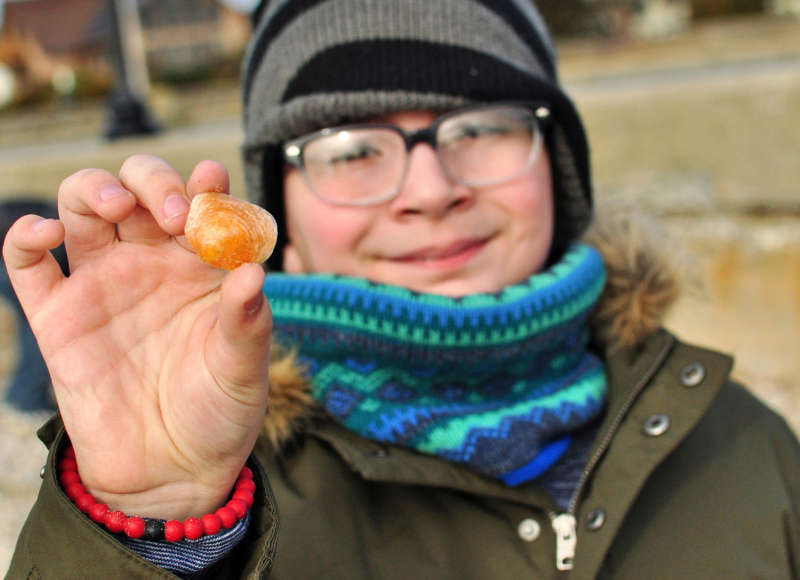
(692, 109)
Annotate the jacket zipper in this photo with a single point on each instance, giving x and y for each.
(565, 527)
(565, 524)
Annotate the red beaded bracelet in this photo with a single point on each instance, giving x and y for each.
(152, 529)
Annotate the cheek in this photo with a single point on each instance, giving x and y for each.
(320, 233)
(535, 204)
(530, 203)
(332, 236)
(326, 238)
(529, 208)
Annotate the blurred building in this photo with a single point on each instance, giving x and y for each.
(62, 28)
(785, 7)
(61, 46)
(190, 34)
(42, 42)
(648, 18)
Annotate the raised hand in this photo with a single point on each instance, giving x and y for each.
(158, 361)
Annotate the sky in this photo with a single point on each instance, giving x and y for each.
(241, 5)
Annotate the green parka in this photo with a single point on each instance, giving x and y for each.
(689, 477)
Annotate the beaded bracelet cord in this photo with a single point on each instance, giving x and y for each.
(153, 529)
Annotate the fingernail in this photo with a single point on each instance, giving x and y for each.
(175, 205)
(37, 227)
(111, 191)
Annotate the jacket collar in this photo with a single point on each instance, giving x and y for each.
(667, 368)
(659, 392)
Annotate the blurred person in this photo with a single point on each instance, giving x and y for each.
(466, 381)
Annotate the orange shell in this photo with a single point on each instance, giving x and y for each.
(227, 231)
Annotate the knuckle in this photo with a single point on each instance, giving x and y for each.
(78, 181)
(8, 240)
(149, 174)
(16, 234)
(212, 163)
(140, 163)
(215, 168)
(69, 181)
(137, 160)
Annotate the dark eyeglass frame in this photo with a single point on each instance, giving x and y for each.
(294, 149)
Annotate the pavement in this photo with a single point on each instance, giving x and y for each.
(700, 128)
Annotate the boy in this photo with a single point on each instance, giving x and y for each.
(448, 408)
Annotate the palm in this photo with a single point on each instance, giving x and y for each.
(134, 319)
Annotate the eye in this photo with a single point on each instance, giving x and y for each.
(358, 152)
(474, 131)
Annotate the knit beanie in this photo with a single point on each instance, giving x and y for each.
(317, 63)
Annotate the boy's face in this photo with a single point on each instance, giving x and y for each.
(436, 236)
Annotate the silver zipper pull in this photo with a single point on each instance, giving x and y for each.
(564, 525)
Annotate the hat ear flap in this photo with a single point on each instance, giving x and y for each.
(258, 11)
(271, 198)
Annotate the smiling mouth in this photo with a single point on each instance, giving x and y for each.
(444, 257)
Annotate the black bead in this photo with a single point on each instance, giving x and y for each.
(153, 530)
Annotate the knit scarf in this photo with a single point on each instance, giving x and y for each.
(493, 381)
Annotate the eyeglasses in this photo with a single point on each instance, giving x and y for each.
(366, 164)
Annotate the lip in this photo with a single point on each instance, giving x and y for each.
(445, 256)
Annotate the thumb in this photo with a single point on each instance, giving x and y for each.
(238, 346)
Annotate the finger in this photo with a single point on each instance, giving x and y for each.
(141, 227)
(208, 177)
(31, 267)
(90, 202)
(238, 347)
(160, 189)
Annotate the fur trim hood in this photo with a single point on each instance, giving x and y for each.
(643, 281)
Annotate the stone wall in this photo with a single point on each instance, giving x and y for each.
(705, 135)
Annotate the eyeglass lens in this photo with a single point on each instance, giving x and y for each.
(476, 148)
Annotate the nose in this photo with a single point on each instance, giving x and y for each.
(428, 190)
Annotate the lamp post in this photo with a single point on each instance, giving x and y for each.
(127, 111)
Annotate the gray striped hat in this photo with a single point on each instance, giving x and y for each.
(316, 63)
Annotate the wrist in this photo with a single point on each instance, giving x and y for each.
(188, 518)
(172, 501)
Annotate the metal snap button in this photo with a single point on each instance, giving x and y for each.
(529, 529)
(693, 374)
(595, 519)
(42, 471)
(656, 425)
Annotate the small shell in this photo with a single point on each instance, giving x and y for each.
(226, 231)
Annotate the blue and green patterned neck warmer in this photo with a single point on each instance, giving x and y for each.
(494, 381)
